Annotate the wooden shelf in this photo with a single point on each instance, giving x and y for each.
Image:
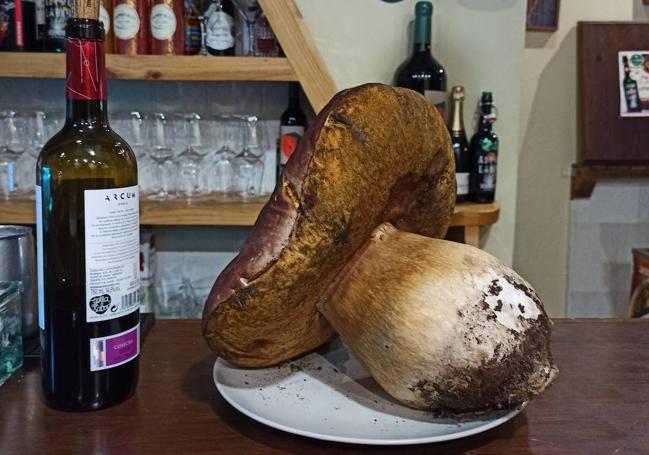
(211, 213)
(585, 176)
(154, 67)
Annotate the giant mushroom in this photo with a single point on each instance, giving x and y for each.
(375, 154)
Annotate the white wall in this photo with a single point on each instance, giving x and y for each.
(479, 42)
(549, 147)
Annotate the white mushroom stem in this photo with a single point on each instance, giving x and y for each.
(441, 325)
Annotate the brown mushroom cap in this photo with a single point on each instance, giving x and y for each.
(375, 153)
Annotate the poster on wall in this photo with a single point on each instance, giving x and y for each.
(634, 83)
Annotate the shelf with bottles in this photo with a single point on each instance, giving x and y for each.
(154, 67)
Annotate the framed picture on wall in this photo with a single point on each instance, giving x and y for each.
(542, 15)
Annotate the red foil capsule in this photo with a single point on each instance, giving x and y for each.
(86, 70)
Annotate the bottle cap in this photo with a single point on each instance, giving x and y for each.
(423, 9)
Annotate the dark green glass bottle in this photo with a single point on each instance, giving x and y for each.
(484, 154)
(88, 242)
(421, 72)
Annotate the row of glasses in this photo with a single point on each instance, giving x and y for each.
(185, 156)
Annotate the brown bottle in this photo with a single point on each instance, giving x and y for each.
(131, 26)
(166, 27)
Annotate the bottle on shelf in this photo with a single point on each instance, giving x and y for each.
(131, 26)
(193, 33)
(484, 153)
(219, 27)
(630, 88)
(421, 72)
(57, 13)
(39, 17)
(105, 14)
(87, 223)
(291, 129)
(166, 26)
(17, 25)
(460, 144)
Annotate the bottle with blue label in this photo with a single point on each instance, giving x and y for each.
(484, 154)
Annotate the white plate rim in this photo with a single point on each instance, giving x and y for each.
(378, 442)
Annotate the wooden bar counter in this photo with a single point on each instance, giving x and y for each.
(599, 404)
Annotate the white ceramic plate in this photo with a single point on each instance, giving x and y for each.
(328, 395)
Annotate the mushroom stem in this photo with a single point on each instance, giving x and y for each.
(441, 325)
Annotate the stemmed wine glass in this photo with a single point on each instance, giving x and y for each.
(247, 165)
(161, 141)
(11, 148)
(191, 158)
(227, 137)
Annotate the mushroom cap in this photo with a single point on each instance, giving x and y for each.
(375, 153)
(441, 325)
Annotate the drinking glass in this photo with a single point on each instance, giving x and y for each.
(12, 146)
(226, 134)
(191, 158)
(247, 165)
(161, 143)
(131, 127)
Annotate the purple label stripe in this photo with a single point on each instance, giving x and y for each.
(115, 350)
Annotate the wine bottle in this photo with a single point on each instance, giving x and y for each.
(291, 129)
(219, 29)
(421, 72)
(88, 240)
(166, 25)
(484, 154)
(57, 13)
(460, 144)
(105, 14)
(11, 26)
(131, 26)
(630, 87)
(193, 33)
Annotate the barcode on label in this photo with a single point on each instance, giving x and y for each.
(130, 300)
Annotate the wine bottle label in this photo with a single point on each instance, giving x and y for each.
(86, 69)
(220, 31)
(112, 241)
(105, 18)
(462, 180)
(126, 21)
(438, 98)
(57, 13)
(290, 137)
(163, 22)
(487, 164)
(114, 350)
(39, 258)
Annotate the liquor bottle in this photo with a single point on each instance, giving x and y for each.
(105, 13)
(40, 24)
(131, 26)
(460, 145)
(193, 34)
(166, 26)
(87, 226)
(57, 13)
(17, 25)
(219, 29)
(421, 72)
(291, 129)
(484, 153)
(630, 88)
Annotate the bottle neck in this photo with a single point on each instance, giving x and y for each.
(294, 96)
(422, 32)
(86, 81)
(457, 121)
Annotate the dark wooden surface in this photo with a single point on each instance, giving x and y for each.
(604, 135)
(599, 404)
